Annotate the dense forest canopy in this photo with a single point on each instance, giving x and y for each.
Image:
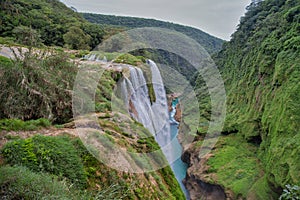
(210, 43)
(49, 23)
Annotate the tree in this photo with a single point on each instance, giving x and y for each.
(95, 31)
(75, 38)
(27, 36)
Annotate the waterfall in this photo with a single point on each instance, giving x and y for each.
(134, 89)
(154, 116)
(135, 93)
(172, 115)
(159, 111)
(95, 57)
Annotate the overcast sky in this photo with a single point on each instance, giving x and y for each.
(216, 17)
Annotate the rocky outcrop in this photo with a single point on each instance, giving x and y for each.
(132, 110)
(201, 190)
(198, 182)
(178, 114)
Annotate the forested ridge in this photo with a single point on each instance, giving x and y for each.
(210, 43)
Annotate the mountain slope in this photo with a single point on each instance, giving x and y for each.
(47, 22)
(210, 43)
(264, 58)
(258, 155)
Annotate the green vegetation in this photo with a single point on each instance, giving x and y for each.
(37, 85)
(36, 91)
(40, 85)
(49, 23)
(260, 66)
(170, 180)
(238, 167)
(99, 175)
(21, 183)
(56, 161)
(19, 125)
(256, 158)
(104, 91)
(65, 160)
(6, 62)
(55, 155)
(75, 38)
(129, 59)
(139, 140)
(123, 58)
(171, 60)
(210, 43)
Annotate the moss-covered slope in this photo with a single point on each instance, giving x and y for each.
(261, 70)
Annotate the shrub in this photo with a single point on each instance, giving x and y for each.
(129, 59)
(7, 40)
(37, 86)
(17, 124)
(5, 61)
(21, 183)
(55, 155)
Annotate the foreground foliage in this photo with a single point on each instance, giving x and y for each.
(18, 125)
(64, 160)
(55, 155)
(37, 84)
(22, 183)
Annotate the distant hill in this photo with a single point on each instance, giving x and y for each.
(210, 43)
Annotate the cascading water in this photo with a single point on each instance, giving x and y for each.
(135, 94)
(155, 117)
(173, 112)
(179, 167)
(95, 57)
